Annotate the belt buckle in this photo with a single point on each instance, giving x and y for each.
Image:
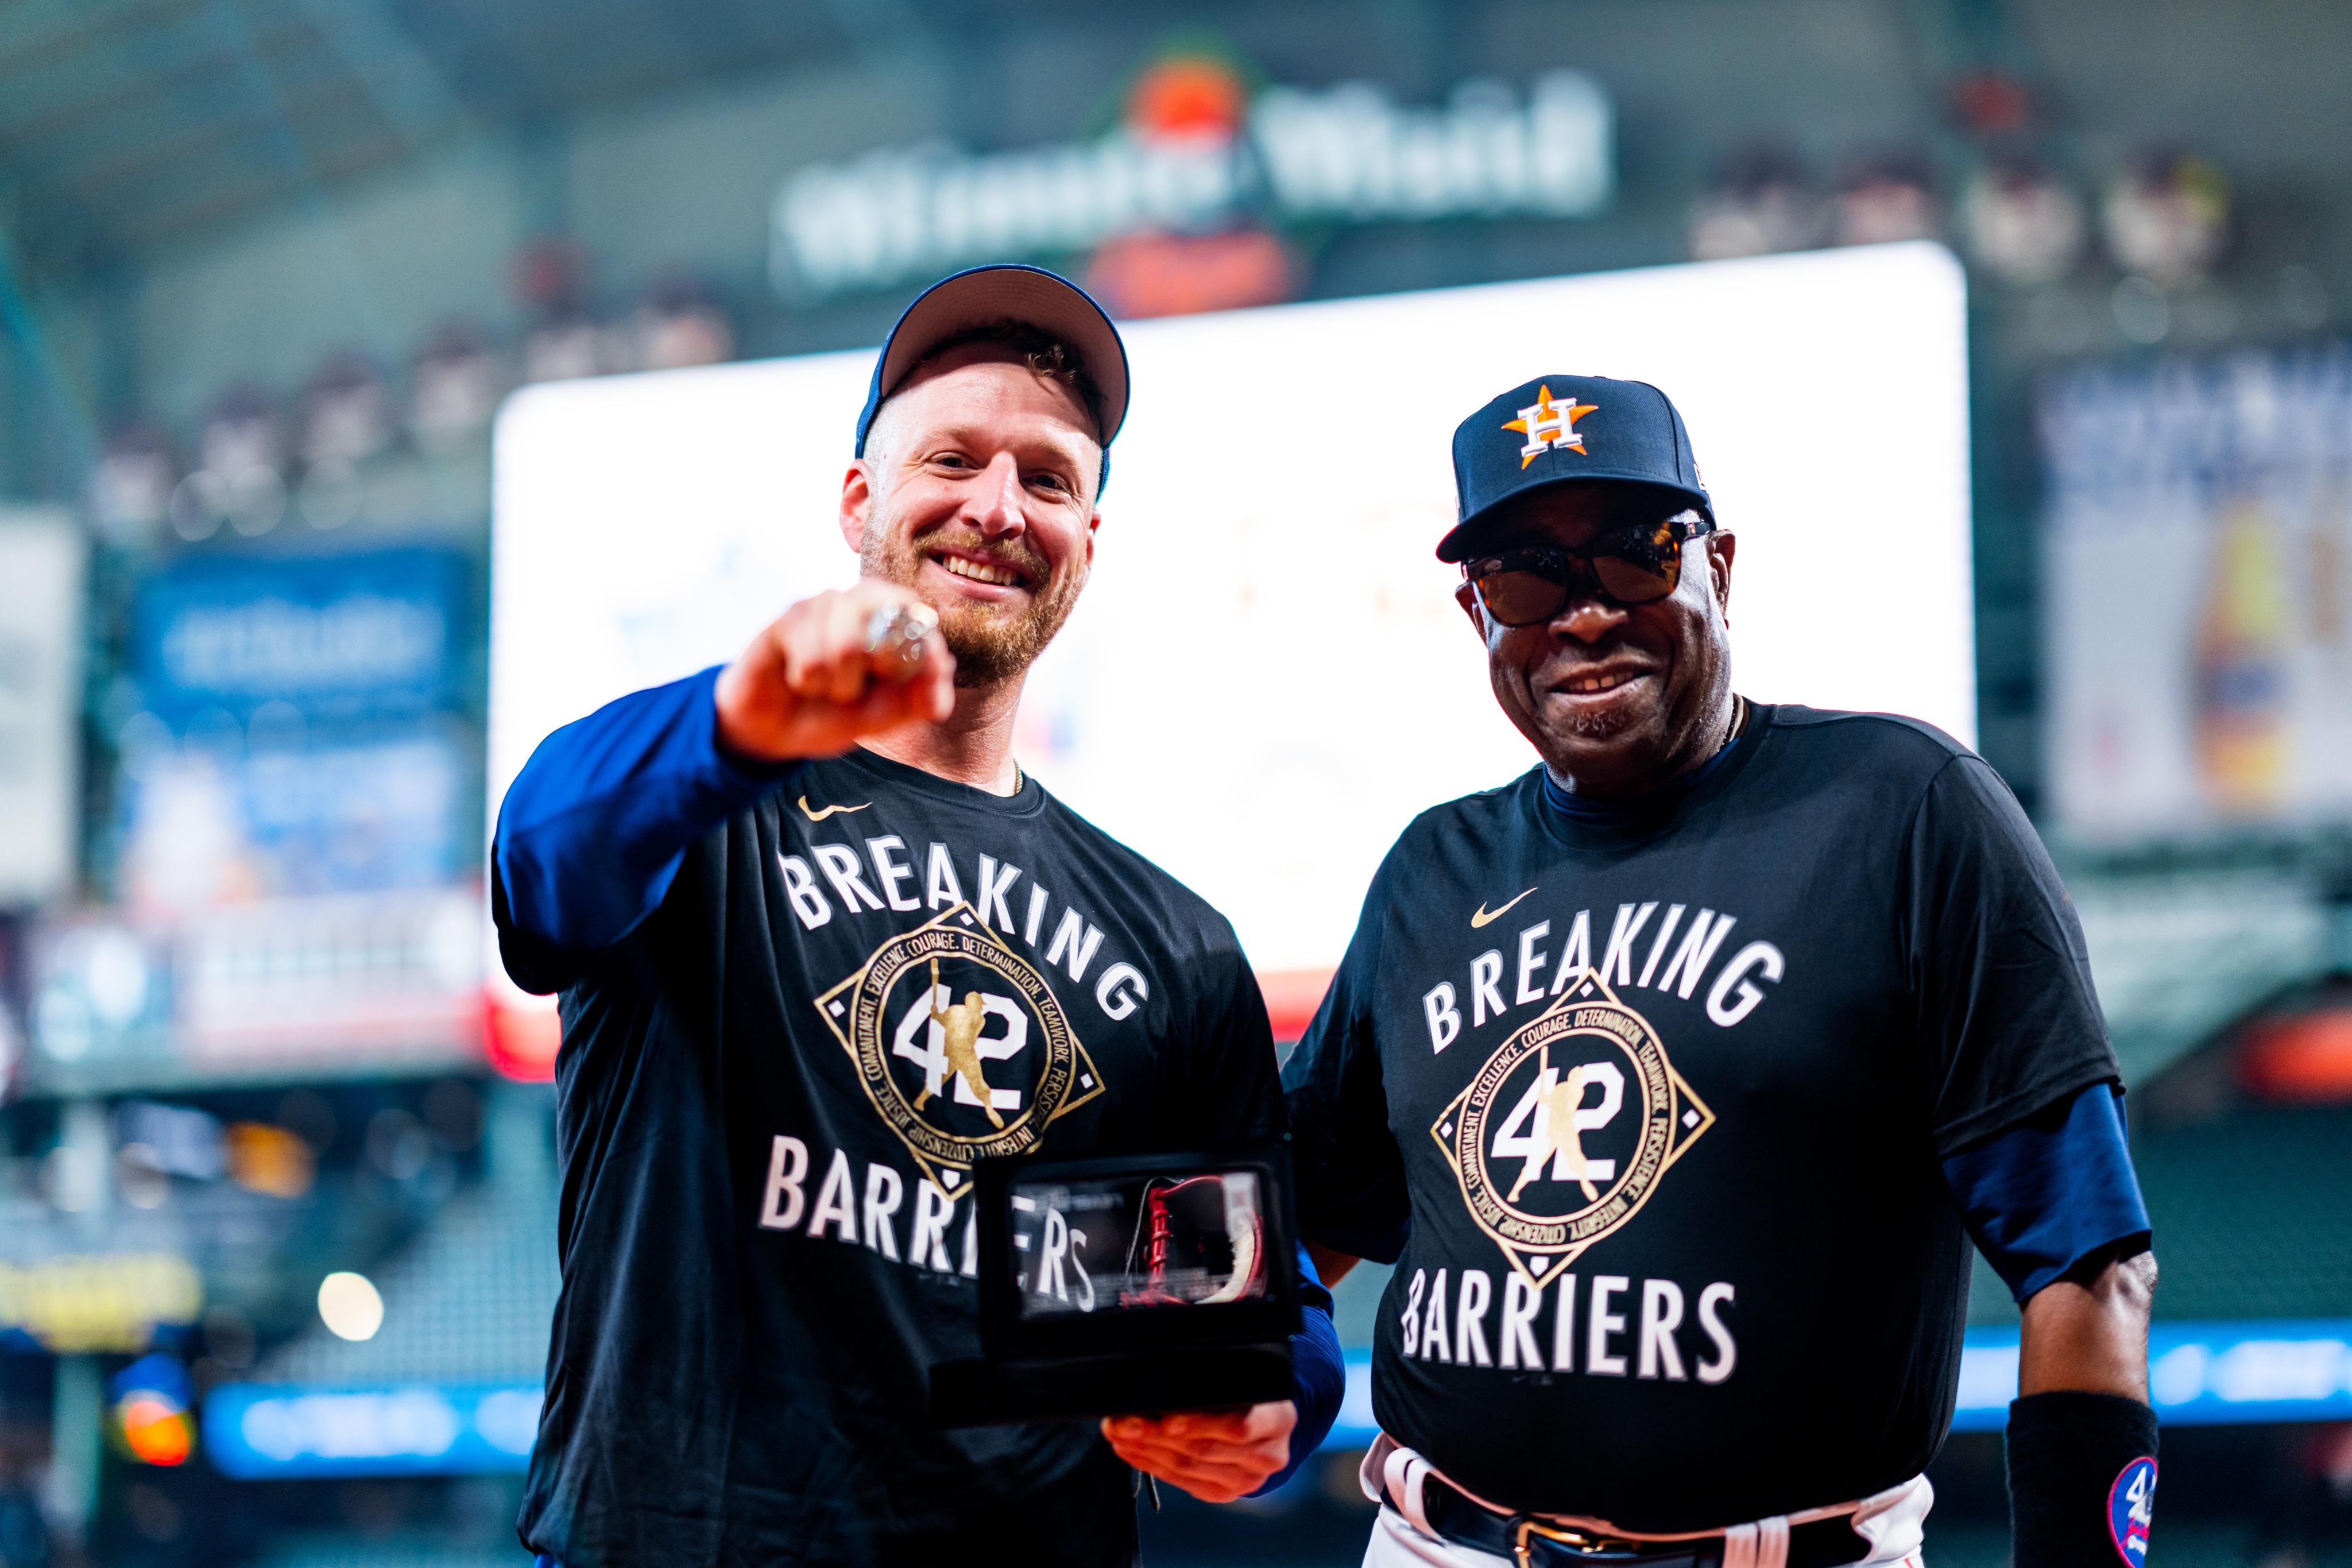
(1574, 1540)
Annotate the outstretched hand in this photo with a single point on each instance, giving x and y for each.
(808, 685)
(1215, 1455)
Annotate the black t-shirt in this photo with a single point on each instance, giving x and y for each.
(1654, 1110)
(767, 1115)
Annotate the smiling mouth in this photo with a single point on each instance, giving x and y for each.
(981, 571)
(1593, 685)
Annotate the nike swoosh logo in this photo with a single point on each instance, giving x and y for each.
(829, 811)
(1482, 917)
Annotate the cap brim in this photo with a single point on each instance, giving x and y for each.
(1010, 291)
(1465, 538)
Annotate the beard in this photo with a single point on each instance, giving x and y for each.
(992, 642)
(1600, 726)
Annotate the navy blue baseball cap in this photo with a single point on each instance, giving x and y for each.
(1006, 291)
(1556, 429)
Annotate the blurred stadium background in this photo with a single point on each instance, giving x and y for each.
(276, 1209)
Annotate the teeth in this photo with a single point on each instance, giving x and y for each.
(978, 572)
(1597, 684)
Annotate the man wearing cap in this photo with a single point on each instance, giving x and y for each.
(821, 945)
(1675, 1075)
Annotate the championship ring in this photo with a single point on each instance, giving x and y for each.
(894, 637)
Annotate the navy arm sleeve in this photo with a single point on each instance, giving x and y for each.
(1318, 1374)
(1352, 1183)
(2050, 1192)
(594, 827)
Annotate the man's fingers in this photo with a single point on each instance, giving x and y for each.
(1215, 1455)
(1246, 1474)
(799, 637)
(822, 641)
(1266, 1456)
(1230, 1425)
(1208, 1483)
(1181, 1451)
(845, 637)
(809, 685)
(834, 678)
(1274, 1419)
(1171, 1465)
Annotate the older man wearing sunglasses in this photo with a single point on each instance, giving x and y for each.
(1675, 1075)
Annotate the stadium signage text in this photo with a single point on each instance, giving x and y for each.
(1345, 154)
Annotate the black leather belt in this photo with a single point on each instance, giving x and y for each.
(1530, 1541)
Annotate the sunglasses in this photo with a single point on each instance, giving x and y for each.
(1632, 566)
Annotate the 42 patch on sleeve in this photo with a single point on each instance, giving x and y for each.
(2131, 1509)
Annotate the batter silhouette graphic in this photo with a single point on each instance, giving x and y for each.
(1556, 1134)
(961, 1023)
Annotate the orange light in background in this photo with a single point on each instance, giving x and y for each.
(155, 1428)
(272, 1160)
(2306, 1058)
(1180, 275)
(1187, 95)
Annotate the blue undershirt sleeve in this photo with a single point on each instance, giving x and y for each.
(2049, 1192)
(594, 827)
(1318, 1374)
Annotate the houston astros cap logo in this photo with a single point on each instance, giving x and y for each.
(1547, 425)
(960, 1044)
(1637, 439)
(1566, 1131)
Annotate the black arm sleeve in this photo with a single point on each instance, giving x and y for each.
(2082, 1480)
(2008, 1021)
(1351, 1185)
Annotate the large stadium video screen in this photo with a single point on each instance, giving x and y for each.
(1267, 677)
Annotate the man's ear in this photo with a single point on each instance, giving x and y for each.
(856, 504)
(1722, 546)
(1467, 595)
